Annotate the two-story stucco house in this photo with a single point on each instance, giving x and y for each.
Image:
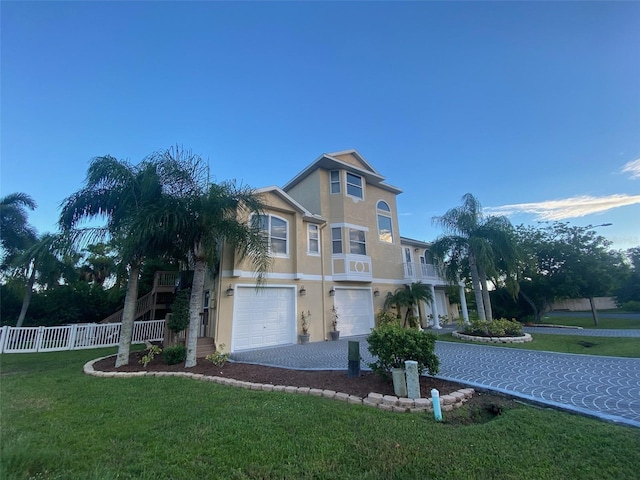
(335, 242)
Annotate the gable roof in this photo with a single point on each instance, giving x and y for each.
(306, 214)
(329, 161)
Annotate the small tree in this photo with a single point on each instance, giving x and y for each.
(179, 318)
(393, 345)
(409, 297)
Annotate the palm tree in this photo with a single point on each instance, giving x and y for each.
(15, 232)
(117, 191)
(409, 297)
(477, 244)
(200, 219)
(42, 262)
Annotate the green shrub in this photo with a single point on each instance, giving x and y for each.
(393, 344)
(631, 306)
(175, 355)
(385, 317)
(218, 358)
(500, 327)
(179, 318)
(149, 355)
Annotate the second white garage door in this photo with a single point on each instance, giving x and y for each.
(355, 308)
(263, 317)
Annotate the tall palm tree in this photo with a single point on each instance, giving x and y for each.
(42, 262)
(409, 296)
(117, 192)
(200, 219)
(15, 232)
(476, 243)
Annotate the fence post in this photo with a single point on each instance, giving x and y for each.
(72, 336)
(39, 338)
(3, 339)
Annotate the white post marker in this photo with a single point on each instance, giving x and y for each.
(435, 400)
(413, 380)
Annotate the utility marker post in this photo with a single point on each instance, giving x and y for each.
(354, 359)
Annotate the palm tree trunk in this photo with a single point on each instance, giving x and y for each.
(195, 307)
(486, 299)
(475, 280)
(26, 300)
(128, 316)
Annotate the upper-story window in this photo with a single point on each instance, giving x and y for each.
(354, 185)
(336, 240)
(275, 232)
(313, 241)
(335, 181)
(357, 242)
(385, 231)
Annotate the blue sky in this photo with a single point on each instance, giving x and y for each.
(532, 107)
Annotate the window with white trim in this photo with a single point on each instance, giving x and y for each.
(313, 239)
(354, 185)
(336, 240)
(274, 231)
(357, 242)
(334, 176)
(385, 230)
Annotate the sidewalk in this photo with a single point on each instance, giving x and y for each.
(604, 387)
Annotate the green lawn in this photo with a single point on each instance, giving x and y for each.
(614, 347)
(58, 423)
(586, 321)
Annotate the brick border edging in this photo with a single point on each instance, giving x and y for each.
(383, 402)
(472, 338)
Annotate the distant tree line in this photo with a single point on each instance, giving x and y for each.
(518, 272)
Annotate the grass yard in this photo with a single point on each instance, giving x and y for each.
(58, 423)
(586, 321)
(608, 346)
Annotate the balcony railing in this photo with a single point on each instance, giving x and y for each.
(420, 271)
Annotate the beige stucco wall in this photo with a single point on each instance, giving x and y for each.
(302, 269)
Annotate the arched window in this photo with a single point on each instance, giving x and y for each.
(385, 229)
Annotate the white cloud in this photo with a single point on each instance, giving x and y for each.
(568, 207)
(632, 167)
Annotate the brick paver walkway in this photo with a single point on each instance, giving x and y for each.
(605, 387)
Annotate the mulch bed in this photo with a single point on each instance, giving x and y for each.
(336, 380)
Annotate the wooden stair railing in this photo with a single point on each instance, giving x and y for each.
(144, 304)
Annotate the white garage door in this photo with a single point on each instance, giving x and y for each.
(355, 308)
(263, 317)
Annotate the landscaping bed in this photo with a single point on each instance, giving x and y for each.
(482, 405)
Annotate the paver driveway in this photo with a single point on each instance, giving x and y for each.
(606, 387)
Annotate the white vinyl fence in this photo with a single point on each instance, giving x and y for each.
(74, 337)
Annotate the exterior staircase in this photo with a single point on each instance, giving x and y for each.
(205, 347)
(156, 302)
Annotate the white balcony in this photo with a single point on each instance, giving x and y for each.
(351, 268)
(414, 272)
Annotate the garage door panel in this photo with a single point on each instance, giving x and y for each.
(355, 308)
(263, 318)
